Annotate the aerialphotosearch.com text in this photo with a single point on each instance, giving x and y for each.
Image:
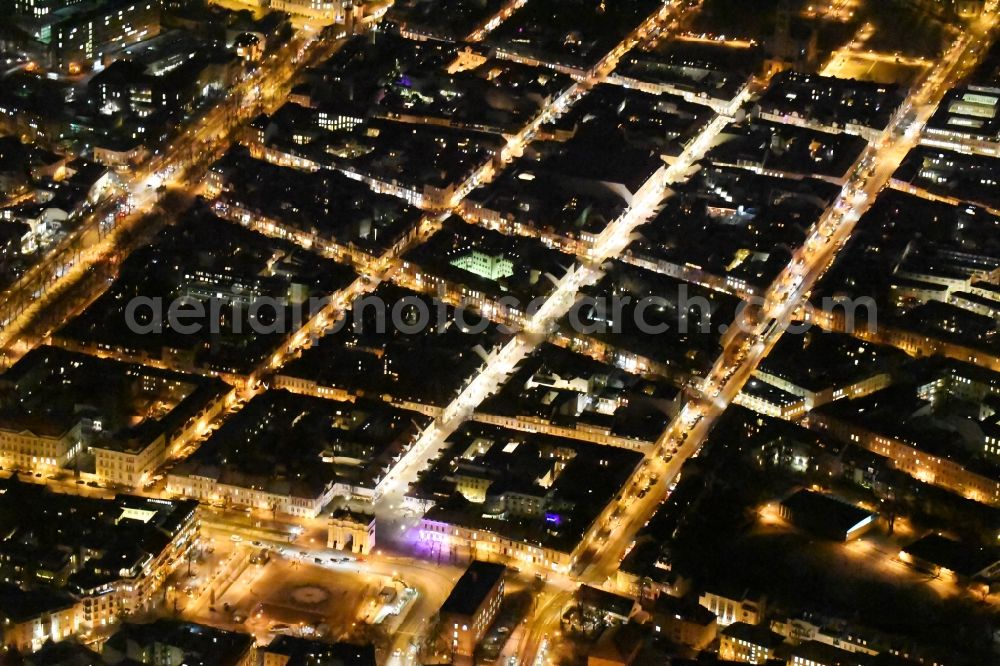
(678, 313)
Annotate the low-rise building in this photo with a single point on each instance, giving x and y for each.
(295, 651)
(828, 103)
(292, 454)
(684, 622)
(29, 618)
(814, 653)
(439, 527)
(822, 368)
(68, 404)
(472, 606)
(812, 629)
(566, 491)
(120, 152)
(605, 607)
(745, 607)
(175, 642)
(321, 12)
(64, 653)
(946, 557)
(619, 645)
(748, 644)
(111, 556)
(826, 516)
(968, 120)
(35, 444)
(894, 424)
(129, 463)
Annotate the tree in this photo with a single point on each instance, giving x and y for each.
(436, 641)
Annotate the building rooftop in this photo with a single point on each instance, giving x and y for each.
(753, 634)
(565, 388)
(570, 33)
(604, 601)
(200, 644)
(734, 224)
(817, 361)
(451, 19)
(471, 589)
(297, 445)
(912, 413)
(953, 173)
(787, 149)
(326, 203)
(64, 653)
(683, 609)
(118, 405)
(829, 100)
(119, 536)
(973, 111)
(451, 254)
(814, 652)
(703, 68)
(18, 605)
(381, 354)
(569, 483)
(307, 652)
(955, 556)
(769, 393)
(656, 307)
(894, 243)
(828, 513)
(207, 259)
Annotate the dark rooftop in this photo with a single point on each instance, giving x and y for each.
(823, 510)
(606, 602)
(960, 558)
(305, 652)
(17, 605)
(822, 653)
(753, 634)
(201, 645)
(471, 589)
